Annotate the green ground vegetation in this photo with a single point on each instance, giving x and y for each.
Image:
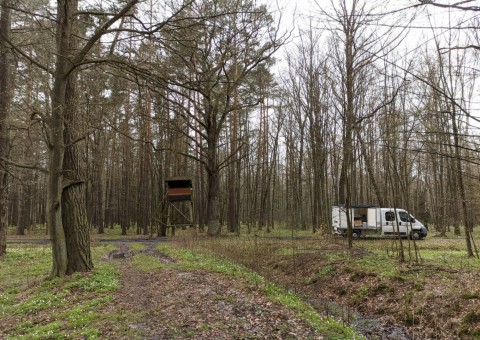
(371, 271)
(35, 307)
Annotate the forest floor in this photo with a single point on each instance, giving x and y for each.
(141, 291)
(418, 302)
(434, 294)
(179, 303)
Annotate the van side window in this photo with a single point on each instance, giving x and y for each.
(403, 216)
(389, 216)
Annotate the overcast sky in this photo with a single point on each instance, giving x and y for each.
(428, 22)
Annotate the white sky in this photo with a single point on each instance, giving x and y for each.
(429, 23)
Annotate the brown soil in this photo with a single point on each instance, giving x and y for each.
(177, 304)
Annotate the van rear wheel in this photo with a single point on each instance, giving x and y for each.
(356, 233)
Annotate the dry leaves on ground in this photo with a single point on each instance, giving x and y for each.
(199, 305)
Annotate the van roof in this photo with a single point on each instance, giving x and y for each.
(358, 206)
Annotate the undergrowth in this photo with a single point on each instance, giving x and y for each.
(370, 272)
(40, 308)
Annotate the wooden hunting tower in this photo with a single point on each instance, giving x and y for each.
(178, 194)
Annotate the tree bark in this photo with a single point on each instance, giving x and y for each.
(213, 171)
(58, 179)
(56, 146)
(74, 205)
(125, 199)
(467, 227)
(349, 116)
(4, 104)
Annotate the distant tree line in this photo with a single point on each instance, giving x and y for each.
(100, 103)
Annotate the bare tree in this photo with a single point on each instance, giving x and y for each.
(451, 87)
(215, 51)
(353, 54)
(308, 95)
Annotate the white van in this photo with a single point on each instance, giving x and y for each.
(367, 219)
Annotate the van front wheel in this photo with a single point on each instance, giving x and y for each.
(415, 235)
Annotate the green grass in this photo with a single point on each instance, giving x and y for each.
(328, 270)
(103, 279)
(137, 246)
(280, 230)
(453, 259)
(69, 305)
(468, 295)
(29, 330)
(56, 308)
(434, 254)
(146, 263)
(374, 262)
(41, 301)
(189, 260)
(360, 294)
(34, 261)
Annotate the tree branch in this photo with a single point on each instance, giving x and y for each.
(24, 166)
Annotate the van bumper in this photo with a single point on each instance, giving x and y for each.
(424, 231)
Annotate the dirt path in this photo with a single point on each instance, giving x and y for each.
(177, 304)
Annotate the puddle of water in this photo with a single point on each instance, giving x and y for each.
(369, 327)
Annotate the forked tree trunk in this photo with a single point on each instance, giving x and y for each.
(56, 146)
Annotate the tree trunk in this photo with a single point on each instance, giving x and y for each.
(75, 223)
(23, 211)
(213, 170)
(461, 187)
(370, 171)
(4, 103)
(98, 195)
(214, 227)
(233, 203)
(125, 199)
(96, 208)
(74, 205)
(263, 188)
(349, 114)
(145, 179)
(65, 13)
